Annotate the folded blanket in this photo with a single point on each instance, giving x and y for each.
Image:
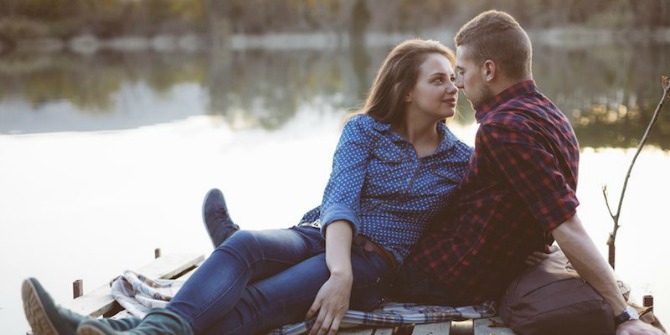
(138, 294)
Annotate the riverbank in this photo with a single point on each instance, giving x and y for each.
(89, 44)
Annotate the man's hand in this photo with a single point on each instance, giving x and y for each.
(331, 303)
(637, 327)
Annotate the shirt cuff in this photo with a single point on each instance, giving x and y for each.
(338, 212)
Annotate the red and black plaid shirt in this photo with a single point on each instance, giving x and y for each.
(520, 185)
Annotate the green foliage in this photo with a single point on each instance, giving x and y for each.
(22, 27)
(146, 17)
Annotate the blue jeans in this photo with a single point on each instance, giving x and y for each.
(257, 281)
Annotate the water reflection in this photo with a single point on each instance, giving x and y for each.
(609, 91)
(289, 103)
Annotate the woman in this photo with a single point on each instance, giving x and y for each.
(395, 166)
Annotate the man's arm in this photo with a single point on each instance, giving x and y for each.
(578, 247)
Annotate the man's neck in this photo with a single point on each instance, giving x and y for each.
(502, 83)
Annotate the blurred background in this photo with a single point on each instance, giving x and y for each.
(117, 116)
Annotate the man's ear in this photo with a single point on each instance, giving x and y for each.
(489, 70)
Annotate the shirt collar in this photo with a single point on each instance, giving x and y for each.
(521, 88)
(448, 139)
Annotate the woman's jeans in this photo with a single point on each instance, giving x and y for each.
(257, 281)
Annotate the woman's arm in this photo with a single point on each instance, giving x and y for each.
(332, 301)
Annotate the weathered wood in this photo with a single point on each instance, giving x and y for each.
(384, 331)
(648, 300)
(100, 302)
(77, 288)
(491, 326)
(442, 328)
(357, 331)
(369, 331)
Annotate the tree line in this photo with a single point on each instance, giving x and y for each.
(110, 18)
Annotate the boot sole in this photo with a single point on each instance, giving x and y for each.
(35, 311)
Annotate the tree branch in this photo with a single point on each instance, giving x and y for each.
(665, 84)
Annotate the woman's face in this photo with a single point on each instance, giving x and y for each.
(434, 94)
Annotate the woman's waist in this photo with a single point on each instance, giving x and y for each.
(396, 236)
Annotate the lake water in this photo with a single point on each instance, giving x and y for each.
(105, 157)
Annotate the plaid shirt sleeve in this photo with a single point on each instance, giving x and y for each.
(532, 170)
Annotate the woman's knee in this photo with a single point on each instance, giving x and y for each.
(240, 243)
(280, 243)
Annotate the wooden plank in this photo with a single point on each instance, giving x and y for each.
(99, 301)
(357, 331)
(491, 326)
(384, 331)
(441, 328)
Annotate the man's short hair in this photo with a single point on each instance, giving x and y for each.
(497, 36)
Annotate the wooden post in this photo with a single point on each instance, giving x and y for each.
(648, 300)
(77, 288)
(157, 252)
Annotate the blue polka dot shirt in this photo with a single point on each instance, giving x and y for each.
(380, 185)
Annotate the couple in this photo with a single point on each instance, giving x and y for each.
(406, 203)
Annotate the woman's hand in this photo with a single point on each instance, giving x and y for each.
(332, 300)
(331, 303)
(538, 256)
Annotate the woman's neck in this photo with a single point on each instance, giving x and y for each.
(423, 136)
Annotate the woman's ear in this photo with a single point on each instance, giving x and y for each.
(408, 97)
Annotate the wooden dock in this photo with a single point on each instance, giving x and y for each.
(99, 302)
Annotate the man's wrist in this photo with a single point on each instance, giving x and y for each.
(628, 314)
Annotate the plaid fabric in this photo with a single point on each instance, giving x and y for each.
(521, 184)
(138, 294)
(398, 314)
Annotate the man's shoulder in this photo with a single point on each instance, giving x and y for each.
(523, 112)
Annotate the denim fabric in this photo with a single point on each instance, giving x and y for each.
(380, 185)
(260, 280)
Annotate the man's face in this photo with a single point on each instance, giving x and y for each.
(471, 78)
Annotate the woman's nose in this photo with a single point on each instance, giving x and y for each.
(452, 88)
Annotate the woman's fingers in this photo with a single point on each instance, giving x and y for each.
(536, 257)
(313, 310)
(324, 324)
(335, 325)
(550, 249)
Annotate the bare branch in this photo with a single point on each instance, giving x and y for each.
(665, 84)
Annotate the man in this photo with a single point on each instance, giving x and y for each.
(519, 194)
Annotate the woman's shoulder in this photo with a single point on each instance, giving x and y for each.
(365, 122)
